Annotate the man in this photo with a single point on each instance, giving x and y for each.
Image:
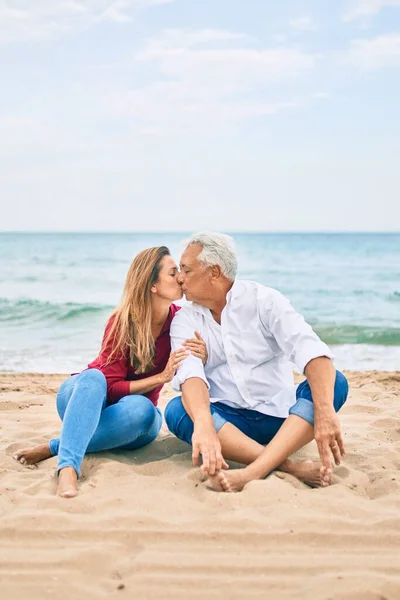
(243, 405)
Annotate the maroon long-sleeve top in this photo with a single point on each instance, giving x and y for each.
(119, 372)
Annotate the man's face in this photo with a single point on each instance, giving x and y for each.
(194, 279)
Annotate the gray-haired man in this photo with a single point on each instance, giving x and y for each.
(243, 405)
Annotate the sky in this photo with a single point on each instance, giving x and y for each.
(231, 115)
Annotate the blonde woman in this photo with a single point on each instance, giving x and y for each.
(113, 403)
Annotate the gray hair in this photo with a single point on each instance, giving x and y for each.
(218, 249)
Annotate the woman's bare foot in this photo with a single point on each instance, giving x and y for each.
(31, 456)
(67, 483)
(309, 472)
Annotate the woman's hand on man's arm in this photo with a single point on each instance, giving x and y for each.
(148, 384)
(197, 347)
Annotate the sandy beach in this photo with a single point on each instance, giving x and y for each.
(144, 525)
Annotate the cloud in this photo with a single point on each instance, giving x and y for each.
(46, 19)
(303, 24)
(375, 53)
(180, 38)
(360, 9)
(279, 38)
(200, 83)
(196, 86)
(320, 95)
(182, 51)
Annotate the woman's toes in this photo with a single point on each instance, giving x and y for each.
(68, 493)
(19, 456)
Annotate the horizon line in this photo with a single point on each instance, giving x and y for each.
(187, 231)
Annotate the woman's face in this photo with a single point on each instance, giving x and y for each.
(167, 286)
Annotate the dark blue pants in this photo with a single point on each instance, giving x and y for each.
(257, 426)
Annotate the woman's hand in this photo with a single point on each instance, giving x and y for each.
(174, 362)
(197, 347)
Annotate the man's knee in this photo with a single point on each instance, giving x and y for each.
(341, 390)
(173, 414)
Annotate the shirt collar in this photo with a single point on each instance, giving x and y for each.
(233, 292)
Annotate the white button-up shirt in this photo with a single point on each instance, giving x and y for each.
(250, 353)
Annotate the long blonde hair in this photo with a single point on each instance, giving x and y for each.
(131, 329)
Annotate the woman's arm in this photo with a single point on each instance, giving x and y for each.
(142, 386)
(116, 372)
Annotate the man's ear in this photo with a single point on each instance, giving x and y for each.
(215, 272)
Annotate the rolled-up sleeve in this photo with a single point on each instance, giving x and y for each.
(293, 334)
(183, 328)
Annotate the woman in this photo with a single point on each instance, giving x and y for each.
(113, 403)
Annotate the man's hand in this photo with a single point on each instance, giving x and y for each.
(328, 436)
(205, 442)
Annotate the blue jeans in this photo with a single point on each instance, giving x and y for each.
(257, 426)
(91, 426)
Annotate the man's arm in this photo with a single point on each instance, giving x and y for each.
(196, 400)
(313, 358)
(190, 379)
(321, 375)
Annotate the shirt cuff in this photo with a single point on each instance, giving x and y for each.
(304, 355)
(184, 373)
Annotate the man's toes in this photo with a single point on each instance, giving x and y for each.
(203, 473)
(326, 476)
(213, 484)
(224, 482)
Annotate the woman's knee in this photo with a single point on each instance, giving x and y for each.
(64, 394)
(88, 379)
(139, 410)
(92, 377)
(173, 413)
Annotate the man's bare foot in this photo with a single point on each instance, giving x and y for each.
(309, 472)
(229, 481)
(67, 483)
(31, 456)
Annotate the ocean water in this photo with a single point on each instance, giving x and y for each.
(57, 290)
